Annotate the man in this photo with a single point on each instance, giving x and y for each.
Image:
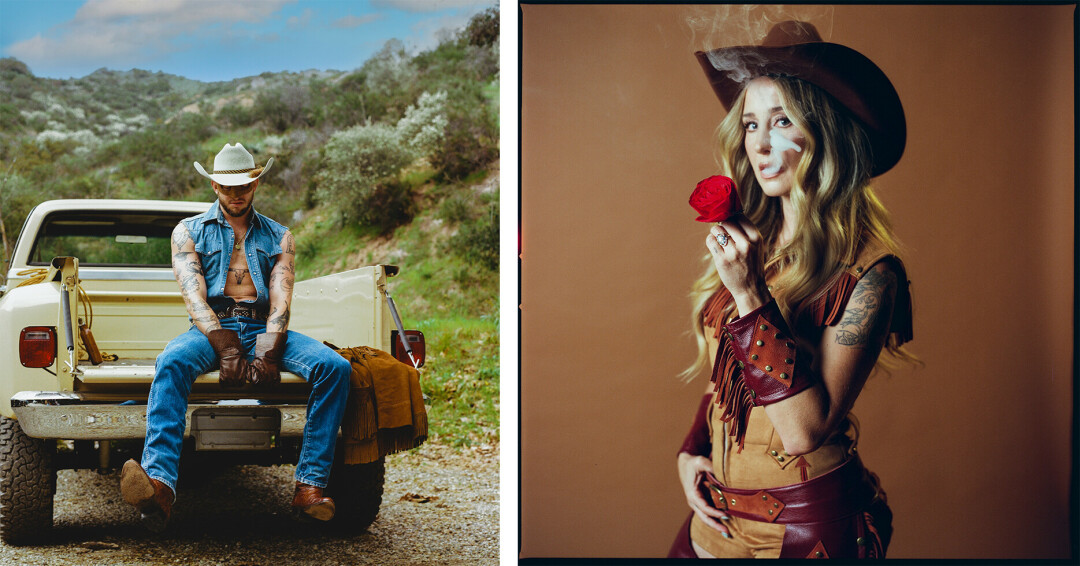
(235, 268)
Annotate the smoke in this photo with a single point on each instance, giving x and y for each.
(738, 64)
(713, 27)
(779, 145)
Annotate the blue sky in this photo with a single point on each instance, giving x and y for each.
(216, 40)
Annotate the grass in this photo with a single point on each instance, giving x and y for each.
(214, 144)
(461, 379)
(491, 91)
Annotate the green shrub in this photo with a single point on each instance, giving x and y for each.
(13, 65)
(483, 28)
(235, 115)
(455, 208)
(38, 162)
(17, 196)
(470, 143)
(389, 205)
(478, 242)
(423, 125)
(358, 169)
(388, 76)
(11, 119)
(283, 108)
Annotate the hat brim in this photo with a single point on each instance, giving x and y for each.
(232, 179)
(849, 76)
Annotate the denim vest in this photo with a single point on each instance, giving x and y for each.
(214, 243)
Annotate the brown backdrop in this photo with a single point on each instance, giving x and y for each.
(974, 449)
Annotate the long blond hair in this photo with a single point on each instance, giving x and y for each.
(832, 200)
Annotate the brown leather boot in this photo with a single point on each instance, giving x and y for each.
(309, 502)
(151, 497)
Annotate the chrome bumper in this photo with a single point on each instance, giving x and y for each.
(66, 415)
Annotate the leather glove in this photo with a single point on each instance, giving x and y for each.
(234, 368)
(265, 368)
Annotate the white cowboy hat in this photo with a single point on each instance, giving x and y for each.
(233, 166)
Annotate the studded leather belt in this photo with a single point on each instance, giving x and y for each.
(830, 516)
(240, 310)
(838, 493)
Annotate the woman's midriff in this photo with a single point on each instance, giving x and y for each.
(763, 463)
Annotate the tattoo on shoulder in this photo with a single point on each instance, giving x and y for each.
(290, 245)
(180, 235)
(868, 310)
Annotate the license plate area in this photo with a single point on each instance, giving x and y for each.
(235, 428)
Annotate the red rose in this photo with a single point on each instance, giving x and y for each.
(715, 199)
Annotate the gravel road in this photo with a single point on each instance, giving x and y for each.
(440, 506)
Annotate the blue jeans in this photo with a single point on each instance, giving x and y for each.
(190, 355)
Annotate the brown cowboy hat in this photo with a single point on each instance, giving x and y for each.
(795, 49)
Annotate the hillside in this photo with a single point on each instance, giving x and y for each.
(395, 162)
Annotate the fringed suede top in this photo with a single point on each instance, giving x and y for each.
(732, 397)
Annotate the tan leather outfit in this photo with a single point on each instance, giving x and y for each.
(762, 461)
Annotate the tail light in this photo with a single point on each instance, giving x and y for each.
(416, 342)
(37, 346)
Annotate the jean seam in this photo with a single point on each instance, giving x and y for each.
(309, 481)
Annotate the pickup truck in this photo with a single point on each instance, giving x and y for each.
(90, 300)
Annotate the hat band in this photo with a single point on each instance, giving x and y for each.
(233, 171)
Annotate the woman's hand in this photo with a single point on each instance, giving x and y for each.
(739, 259)
(691, 470)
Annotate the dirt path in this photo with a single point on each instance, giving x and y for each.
(439, 507)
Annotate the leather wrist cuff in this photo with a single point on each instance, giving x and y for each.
(772, 366)
(697, 441)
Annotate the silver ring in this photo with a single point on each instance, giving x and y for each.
(723, 239)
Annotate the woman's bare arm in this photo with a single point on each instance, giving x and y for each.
(847, 354)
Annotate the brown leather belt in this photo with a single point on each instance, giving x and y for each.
(840, 492)
(238, 310)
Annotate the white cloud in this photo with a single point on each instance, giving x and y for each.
(431, 5)
(180, 13)
(130, 31)
(302, 20)
(352, 21)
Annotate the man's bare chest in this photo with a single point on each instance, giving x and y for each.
(238, 282)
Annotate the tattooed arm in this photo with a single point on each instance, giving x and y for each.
(187, 267)
(845, 357)
(281, 286)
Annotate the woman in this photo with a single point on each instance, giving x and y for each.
(801, 295)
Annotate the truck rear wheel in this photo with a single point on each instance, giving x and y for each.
(27, 485)
(357, 491)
